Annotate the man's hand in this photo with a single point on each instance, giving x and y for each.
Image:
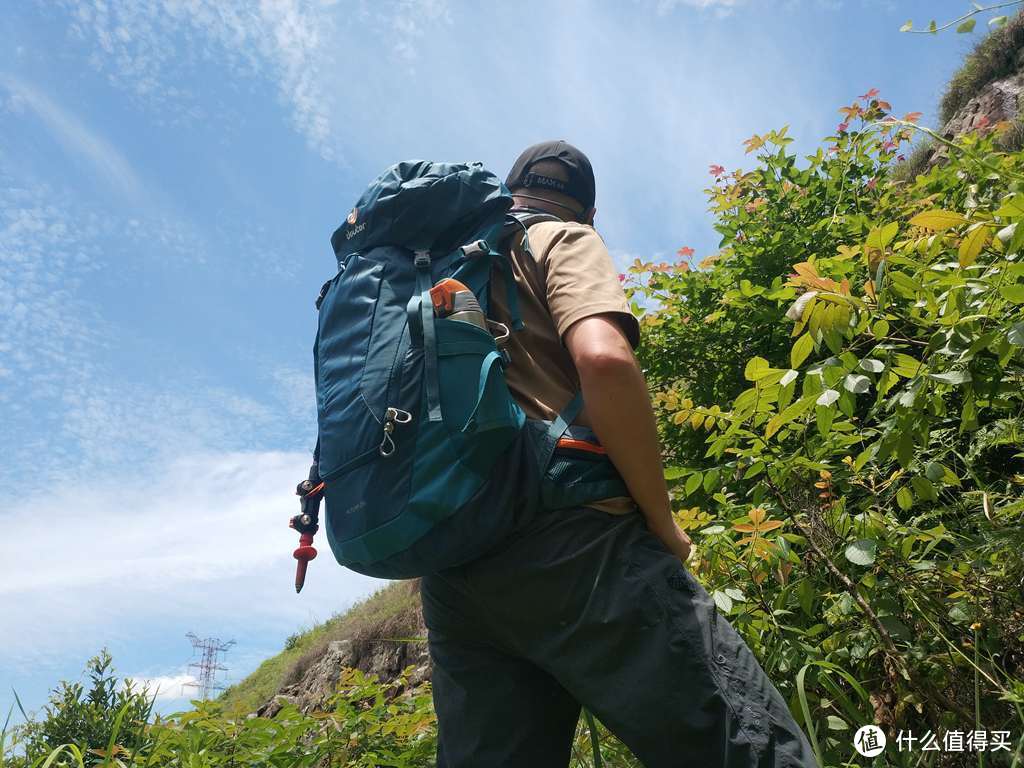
(675, 539)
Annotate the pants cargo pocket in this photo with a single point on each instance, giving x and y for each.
(739, 679)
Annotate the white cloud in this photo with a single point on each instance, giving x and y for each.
(202, 544)
(77, 139)
(166, 687)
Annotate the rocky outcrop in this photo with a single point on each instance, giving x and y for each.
(995, 104)
(383, 648)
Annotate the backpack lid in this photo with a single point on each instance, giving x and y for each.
(422, 205)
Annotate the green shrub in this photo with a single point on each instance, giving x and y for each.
(111, 716)
(840, 394)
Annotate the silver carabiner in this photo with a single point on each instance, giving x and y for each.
(392, 416)
(398, 416)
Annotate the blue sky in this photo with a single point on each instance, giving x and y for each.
(170, 175)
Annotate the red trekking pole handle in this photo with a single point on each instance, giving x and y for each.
(303, 553)
(310, 492)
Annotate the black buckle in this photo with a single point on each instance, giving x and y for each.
(422, 259)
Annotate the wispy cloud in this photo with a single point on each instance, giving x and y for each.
(77, 139)
(158, 50)
(127, 556)
(666, 6)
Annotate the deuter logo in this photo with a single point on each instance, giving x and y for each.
(355, 231)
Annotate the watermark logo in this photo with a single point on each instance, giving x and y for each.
(869, 740)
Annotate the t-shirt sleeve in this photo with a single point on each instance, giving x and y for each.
(580, 277)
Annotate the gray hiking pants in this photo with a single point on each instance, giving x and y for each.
(583, 607)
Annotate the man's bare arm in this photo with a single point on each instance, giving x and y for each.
(618, 407)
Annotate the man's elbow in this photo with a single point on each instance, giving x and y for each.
(605, 363)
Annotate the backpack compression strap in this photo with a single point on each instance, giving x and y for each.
(557, 429)
(422, 262)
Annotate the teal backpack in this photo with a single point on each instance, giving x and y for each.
(424, 460)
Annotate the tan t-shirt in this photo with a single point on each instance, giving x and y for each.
(567, 275)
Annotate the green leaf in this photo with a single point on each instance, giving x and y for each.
(1014, 293)
(856, 383)
(864, 457)
(938, 220)
(952, 377)
(905, 448)
(757, 368)
(736, 595)
(880, 329)
(803, 347)
(693, 482)
(923, 488)
(828, 397)
(967, 26)
(788, 378)
(836, 723)
(908, 26)
(1016, 335)
(824, 415)
(905, 365)
(713, 529)
(880, 237)
(862, 552)
(871, 365)
(934, 471)
(722, 600)
(794, 411)
(710, 480)
(1012, 207)
(998, 21)
(904, 498)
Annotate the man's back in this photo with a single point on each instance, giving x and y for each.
(577, 606)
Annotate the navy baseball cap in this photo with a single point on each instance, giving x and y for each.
(580, 185)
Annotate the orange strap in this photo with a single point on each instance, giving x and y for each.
(580, 445)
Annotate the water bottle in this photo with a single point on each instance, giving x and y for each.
(454, 301)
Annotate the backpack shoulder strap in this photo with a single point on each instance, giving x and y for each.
(516, 221)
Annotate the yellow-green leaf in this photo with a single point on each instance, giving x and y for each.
(757, 368)
(937, 220)
(801, 350)
(977, 237)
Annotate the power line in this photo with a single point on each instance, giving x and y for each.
(208, 664)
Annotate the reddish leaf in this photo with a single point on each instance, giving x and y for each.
(912, 117)
(685, 252)
(870, 94)
(716, 170)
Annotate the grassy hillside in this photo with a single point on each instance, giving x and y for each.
(398, 600)
(997, 55)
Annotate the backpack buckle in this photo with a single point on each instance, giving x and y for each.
(475, 249)
(422, 259)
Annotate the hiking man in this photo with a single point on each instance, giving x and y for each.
(590, 606)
